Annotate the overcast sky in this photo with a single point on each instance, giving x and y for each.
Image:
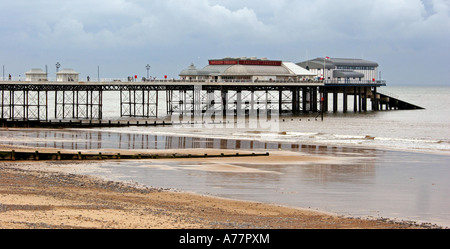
(408, 38)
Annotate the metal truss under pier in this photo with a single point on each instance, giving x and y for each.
(29, 101)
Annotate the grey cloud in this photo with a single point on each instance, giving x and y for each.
(284, 29)
(86, 22)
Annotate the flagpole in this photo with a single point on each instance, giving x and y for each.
(324, 59)
(307, 59)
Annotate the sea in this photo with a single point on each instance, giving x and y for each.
(391, 164)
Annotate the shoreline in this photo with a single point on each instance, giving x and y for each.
(39, 200)
(35, 197)
(356, 146)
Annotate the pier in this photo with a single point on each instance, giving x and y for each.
(73, 102)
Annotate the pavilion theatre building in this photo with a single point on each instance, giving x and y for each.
(248, 70)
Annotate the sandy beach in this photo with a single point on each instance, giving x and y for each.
(31, 197)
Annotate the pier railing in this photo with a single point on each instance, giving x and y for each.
(355, 82)
(145, 80)
(16, 80)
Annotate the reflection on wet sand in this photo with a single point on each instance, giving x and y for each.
(326, 163)
(329, 166)
(92, 140)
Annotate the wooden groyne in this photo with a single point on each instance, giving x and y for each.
(58, 156)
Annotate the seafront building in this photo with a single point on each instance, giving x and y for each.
(342, 70)
(252, 69)
(245, 69)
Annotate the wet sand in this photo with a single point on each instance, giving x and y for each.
(31, 197)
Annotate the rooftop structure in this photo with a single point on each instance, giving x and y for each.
(36, 74)
(342, 70)
(247, 69)
(67, 74)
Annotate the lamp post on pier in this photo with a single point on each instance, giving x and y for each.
(148, 68)
(57, 69)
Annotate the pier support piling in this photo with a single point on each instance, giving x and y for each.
(344, 99)
(335, 100)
